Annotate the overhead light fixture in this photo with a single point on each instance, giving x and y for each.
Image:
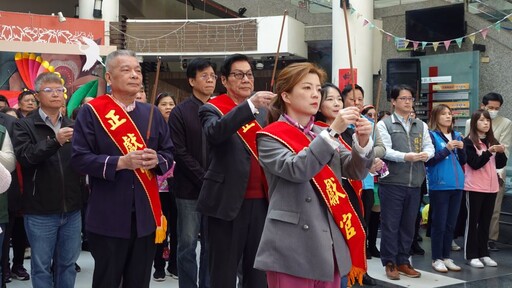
(96, 13)
(77, 11)
(184, 64)
(242, 11)
(61, 17)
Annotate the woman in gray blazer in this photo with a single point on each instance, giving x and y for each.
(302, 243)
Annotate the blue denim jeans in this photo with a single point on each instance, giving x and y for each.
(444, 208)
(57, 237)
(189, 226)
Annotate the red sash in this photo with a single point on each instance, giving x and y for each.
(357, 185)
(247, 133)
(335, 197)
(120, 128)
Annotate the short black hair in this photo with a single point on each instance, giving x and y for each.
(347, 90)
(492, 96)
(198, 64)
(225, 69)
(26, 92)
(4, 99)
(395, 91)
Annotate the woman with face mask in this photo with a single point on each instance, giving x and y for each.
(502, 129)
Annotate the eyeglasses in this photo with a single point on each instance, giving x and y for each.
(48, 90)
(241, 75)
(405, 99)
(206, 77)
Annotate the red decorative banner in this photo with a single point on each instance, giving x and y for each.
(344, 77)
(47, 29)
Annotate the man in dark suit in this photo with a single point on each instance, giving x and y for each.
(233, 194)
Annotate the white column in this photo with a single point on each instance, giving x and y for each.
(110, 13)
(85, 8)
(361, 41)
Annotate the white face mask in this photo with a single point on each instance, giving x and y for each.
(493, 113)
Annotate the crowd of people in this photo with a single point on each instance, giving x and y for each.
(284, 188)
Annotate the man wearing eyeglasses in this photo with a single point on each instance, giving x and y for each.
(52, 196)
(191, 161)
(233, 196)
(408, 146)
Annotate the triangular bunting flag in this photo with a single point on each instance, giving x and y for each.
(472, 38)
(510, 18)
(423, 45)
(459, 42)
(406, 43)
(388, 37)
(372, 26)
(484, 32)
(497, 26)
(352, 10)
(447, 44)
(435, 44)
(397, 41)
(365, 22)
(359, 15)
(415, 44)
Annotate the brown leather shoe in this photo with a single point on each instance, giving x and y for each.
(408, 270)
(392, 272)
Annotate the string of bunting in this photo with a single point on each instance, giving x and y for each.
(181, 28)
(198, 35)
(403, 42)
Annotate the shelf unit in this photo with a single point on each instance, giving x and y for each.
(451, 79)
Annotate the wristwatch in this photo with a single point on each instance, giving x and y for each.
(333, 133)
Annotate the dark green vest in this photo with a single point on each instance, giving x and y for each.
(410, 174)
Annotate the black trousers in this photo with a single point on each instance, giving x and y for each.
(168, 203)
(15, 230)
(480, 208)
(368, 198)
(230, 240)
(122, 262)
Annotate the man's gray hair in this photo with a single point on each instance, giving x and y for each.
(47, 77)
(115, 54)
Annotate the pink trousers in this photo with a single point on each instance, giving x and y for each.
(282, 280)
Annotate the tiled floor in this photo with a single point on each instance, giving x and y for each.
(492, 277)
(469, 277)
(84, 278)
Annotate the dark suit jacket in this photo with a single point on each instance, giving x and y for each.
(225, 181)
(116, 194)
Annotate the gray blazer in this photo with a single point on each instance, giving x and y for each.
(300, 234)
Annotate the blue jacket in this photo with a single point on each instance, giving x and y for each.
(444, 170)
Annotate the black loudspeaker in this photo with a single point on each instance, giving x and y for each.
(403, 71)
(479, 47)
(346, 1)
